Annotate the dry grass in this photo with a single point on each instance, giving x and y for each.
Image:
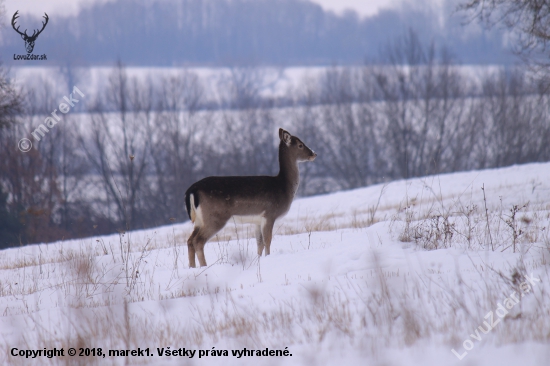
(101, 287)
(381, 315)
(453, 224)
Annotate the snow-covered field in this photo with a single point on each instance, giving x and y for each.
(274, 82)
(395, 274)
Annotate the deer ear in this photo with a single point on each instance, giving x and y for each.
(285, 136)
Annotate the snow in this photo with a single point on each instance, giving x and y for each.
(270, 82)
(339, 286)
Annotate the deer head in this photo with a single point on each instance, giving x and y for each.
(29, 40)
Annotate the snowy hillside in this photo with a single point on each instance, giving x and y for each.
(412, 272)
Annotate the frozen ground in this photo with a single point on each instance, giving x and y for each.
(395, 274)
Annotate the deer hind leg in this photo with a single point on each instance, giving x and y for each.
(199, 247)
(259, 240)
(195, 245)
(191, 247)
(267, 234)
(199, 238)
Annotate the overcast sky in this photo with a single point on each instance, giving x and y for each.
(64, 7)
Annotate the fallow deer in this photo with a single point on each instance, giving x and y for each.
(258, 200)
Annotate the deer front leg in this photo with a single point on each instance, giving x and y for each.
(267, 233)
(259, 240)
(191, 249)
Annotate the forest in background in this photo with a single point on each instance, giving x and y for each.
(130, 154)
(246, 33)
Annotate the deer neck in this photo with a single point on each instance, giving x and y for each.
(288, 170)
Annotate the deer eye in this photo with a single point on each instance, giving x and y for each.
(300, 146)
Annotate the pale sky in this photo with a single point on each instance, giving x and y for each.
(64, 7)
(362, 7)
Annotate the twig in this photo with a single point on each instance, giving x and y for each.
(487, 217)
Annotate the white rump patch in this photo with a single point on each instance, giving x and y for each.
(199, 220)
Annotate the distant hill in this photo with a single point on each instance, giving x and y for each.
(222, 32)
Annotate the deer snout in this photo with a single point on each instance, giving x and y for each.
(312, 157)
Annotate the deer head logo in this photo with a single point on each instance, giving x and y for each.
(29, 40)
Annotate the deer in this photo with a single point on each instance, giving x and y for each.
(29, 40)
(259, 200)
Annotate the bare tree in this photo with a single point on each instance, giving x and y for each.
(31, 181)
(249, 119)
(347, 129)
(528, 19)
(422, 100)
(242, 87)
(306, 116)
(516, 118)
(118, 144)
(175, 143)
(11, 100)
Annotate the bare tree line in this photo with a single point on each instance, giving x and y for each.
(220, 32)
(126, 162)
(529, 22)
